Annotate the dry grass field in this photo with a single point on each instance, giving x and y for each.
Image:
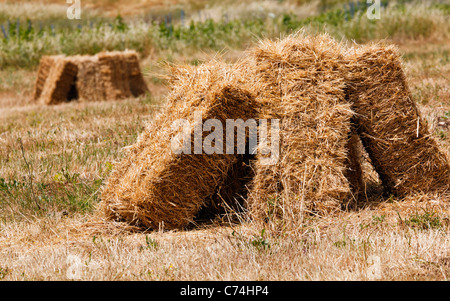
(55, 159)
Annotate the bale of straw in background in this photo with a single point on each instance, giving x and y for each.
(106, 76)
(114, 75)
(302, 84)
(109, 75)
(45, 65)
(61, 80)
(395, 136)
(89, 83)
(136, 81)
(154, 187)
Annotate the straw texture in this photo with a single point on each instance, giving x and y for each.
(302, 84)
(105, 76)
(395, 136)
(45, 65)
(153, 187)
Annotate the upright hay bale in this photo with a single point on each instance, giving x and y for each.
(114, 74)
(60, 81)
(395, 136)
(89, 84)
(302, 84)
(153, 186)
(109, 75)
(137, 84)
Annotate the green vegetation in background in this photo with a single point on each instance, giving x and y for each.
(26, 45)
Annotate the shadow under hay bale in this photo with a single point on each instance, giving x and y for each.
(364, 181)
(105, 76)
(154, 186)
(228, 203)
(392, 131)
(354, 170)
(302, 84)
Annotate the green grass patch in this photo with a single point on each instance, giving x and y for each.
(424, 221)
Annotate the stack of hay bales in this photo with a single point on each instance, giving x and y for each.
(327, 108)
(302, 84)
(105, 76)
(154, 186)
(395, 136)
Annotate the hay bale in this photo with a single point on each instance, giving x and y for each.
(106, 76)
(136, 81)
(302, 84)
(395, 136)
(61, 80)
(154, 187)
(45, 65)
(114, 74)
(89, 82)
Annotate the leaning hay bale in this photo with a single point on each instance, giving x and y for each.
(302, 84)
(395, 136)
(154, 187)
(60, 81)
(45, 65)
